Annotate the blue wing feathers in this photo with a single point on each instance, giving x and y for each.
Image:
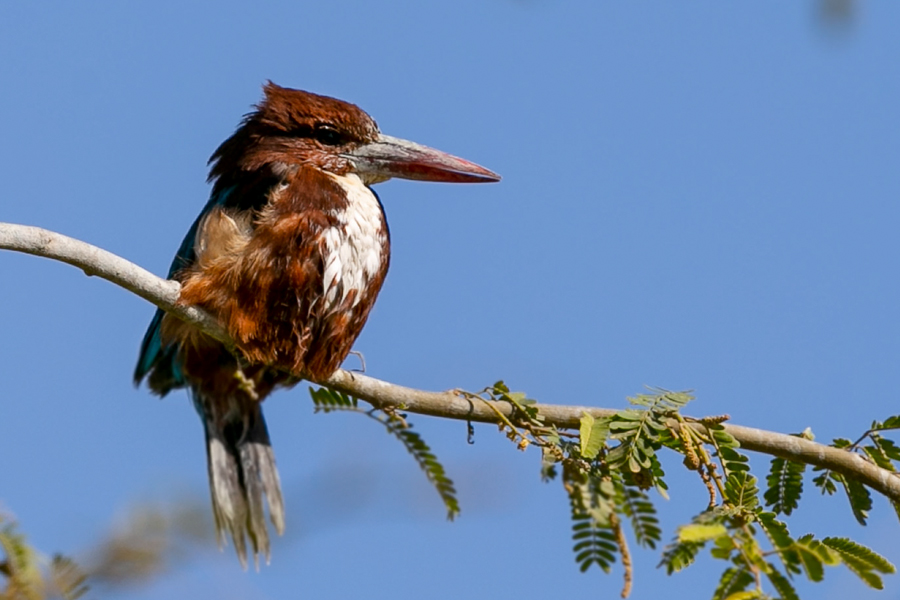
(154, 356)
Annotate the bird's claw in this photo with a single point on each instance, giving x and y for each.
(362, 361)
(246, 384)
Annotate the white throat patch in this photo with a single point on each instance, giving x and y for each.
(354, 250)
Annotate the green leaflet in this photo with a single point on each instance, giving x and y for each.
(680, 555)
(594, 545)
(859, 497)
(896, 507)
(594, 541)
(781, 583)
(682, 552)
(825, 481)
(733, 581)
(636, 505)
(700, 533)
(889, 423)
(500, 392)
(887, 448)
(814, 556)
(593, 435)
(880, 452)
(785, 481)
(327, 400)
(863, 561)
(781, 540)
(741, 490)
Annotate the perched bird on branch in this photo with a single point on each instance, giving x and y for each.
(289, 254)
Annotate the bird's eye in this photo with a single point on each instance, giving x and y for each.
(328, 135)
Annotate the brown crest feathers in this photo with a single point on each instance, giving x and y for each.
(287, 109)
(286, 130)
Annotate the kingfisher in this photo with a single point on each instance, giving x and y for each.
(289, 254)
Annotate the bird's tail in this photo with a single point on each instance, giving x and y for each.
(241, 471)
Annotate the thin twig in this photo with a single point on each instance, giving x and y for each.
(627, 567)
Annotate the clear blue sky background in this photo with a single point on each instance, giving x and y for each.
(695, 195)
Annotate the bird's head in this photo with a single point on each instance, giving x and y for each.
(292, 128)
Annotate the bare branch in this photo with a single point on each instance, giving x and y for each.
(449, 405)
(106, 265)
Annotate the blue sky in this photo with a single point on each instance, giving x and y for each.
(696, 196)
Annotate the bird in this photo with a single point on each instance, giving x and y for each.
(288, 254)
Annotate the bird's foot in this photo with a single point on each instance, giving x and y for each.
(247, 385)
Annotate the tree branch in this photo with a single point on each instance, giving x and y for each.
(95, 261)
(449, 405)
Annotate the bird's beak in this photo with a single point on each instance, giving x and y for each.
(389, 157)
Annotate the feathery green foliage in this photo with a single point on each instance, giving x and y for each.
(590, 500)
(428, 462)
(607, 471)
(594, 544)
(327, 400)
(637, 506)
(641, 431)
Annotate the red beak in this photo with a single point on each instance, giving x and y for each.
(392, 157)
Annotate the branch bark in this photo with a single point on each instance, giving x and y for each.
(164, 294)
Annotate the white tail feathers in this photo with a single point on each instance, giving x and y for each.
(242, 472)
